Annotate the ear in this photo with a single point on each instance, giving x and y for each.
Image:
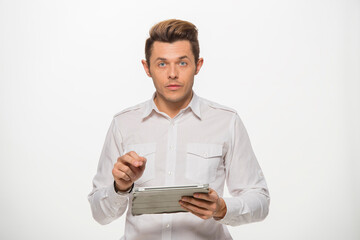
(199, 65)
(146, 67)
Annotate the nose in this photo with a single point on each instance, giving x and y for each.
(173, 72)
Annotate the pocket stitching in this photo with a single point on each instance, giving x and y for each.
(204, 153)
(145, 149)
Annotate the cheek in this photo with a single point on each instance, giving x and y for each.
(158, 80)
(159, 75)
(189, 76)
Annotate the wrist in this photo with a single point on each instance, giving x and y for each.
(123, 189)
(220, 214)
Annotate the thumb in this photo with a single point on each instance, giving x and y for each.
(142, 167)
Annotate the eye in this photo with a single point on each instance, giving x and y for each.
(162, 64)
(183, 63)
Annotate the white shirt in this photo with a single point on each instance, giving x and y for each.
(204, 143)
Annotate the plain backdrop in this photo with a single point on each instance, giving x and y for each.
(290, 69)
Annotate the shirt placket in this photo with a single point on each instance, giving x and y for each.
(170, 172)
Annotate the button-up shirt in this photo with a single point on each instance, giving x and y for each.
(204, 143)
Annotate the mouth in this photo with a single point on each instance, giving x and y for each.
(173, 87)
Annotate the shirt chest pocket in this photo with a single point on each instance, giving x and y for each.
(146, 150)
(202, 161)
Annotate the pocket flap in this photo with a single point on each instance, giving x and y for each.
(142, 149)
(205, 150)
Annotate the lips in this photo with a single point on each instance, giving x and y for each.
(173, 87)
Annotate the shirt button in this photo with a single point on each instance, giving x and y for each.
(167, 225)
(169, 172)
(171, 147)
(205, 155)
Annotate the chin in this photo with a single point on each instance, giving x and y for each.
(175, 99)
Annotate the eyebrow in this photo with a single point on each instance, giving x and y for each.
(164, 59)
(183, 57)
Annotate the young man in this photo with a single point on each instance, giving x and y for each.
(178, 138)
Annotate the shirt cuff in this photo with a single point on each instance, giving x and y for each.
(233, 208)
(116, 197)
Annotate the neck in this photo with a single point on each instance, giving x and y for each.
(171, 108)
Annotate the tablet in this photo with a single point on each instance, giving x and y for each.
(155, 200)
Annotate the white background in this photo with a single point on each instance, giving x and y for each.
(290, 69)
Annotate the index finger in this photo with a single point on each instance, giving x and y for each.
(211, 196)
(139, 161)
(132, 159)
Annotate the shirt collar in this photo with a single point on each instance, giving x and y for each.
(194, 105)
(149, 106)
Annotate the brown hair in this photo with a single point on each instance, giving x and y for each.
(170, 31)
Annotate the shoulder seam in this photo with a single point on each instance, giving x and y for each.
(218, 106)
(136, 107)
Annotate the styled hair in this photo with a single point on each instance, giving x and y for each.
(170, 31)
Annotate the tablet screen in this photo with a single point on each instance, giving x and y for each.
(155, 200)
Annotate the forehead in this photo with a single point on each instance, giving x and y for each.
(171, 50)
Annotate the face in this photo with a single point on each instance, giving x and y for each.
(172, 68)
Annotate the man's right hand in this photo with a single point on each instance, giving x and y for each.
(127, 170)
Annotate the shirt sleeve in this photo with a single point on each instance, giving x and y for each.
(106, 204)
(244, 178)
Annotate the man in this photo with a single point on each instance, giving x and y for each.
(178, 138)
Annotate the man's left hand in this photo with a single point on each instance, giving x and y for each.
(205, 205)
